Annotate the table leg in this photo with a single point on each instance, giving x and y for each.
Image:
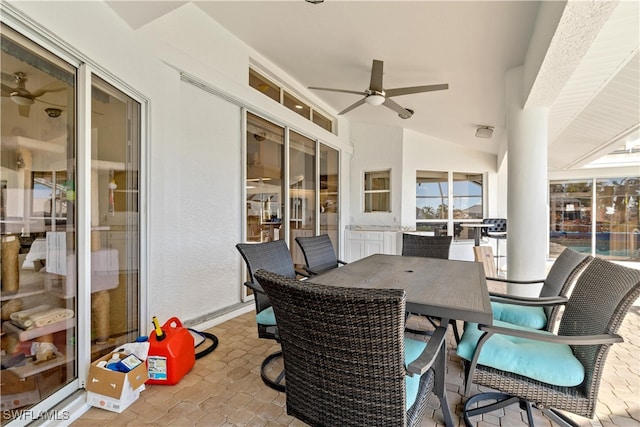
(440, 386)
(477, 236)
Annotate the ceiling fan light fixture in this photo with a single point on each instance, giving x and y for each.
(21, 100)
(375, 99)
(484, 132)
(314, 1)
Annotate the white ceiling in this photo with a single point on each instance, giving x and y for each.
(589, 79)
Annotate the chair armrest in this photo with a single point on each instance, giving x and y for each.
(558, 339)
(255, 287)
(318, 272)
(303, 273)
(527, 301)
(311, 272)
(424, 362)
(518, 282)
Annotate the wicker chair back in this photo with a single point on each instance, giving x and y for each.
(319, 254)
(426, 246)
(344, 353)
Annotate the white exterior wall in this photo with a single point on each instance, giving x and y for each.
(194, 155)
(375, 148)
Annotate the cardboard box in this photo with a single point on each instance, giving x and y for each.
(17, 392)
(112, 390)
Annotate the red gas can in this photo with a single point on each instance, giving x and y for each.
(171, 357)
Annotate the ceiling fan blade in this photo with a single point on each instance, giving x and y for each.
(415, 89)
(50, 103)
(352, 106)
(389, 103)
(24, 110)
(6, 90)
(7, 77)
(355, 92)
(42, 91)
(376, 76)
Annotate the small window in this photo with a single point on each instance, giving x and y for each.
(263, 85)
(377, 191)
(294, 104)
(322, 121)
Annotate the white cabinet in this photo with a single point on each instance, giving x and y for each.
(362, 243)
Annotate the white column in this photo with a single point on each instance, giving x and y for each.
(527, 199)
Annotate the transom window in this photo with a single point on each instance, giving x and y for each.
(288, 99)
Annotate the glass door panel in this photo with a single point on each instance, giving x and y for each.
(432, 201)
(37, 223)
(571, 216)
(329, 196)
(115, 242)
(265, 180)
(302, 191)
(617, 226)
(466, 204)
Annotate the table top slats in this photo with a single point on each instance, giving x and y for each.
(436, 287)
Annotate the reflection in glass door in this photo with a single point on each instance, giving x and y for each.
(302, 192)
(265, 180)
(115, 242)
(38, 223)
(329, 200)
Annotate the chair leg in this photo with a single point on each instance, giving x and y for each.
(456, 333)
(501, 401)
(276, 383)
(559, 418)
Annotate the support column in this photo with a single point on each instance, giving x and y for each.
(527, 201)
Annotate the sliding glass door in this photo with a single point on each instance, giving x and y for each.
(38, 218)
(115, 231)
(302, 192)
(265, 180)
(45, 202)
(329, 194)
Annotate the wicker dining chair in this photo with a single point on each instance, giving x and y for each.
(540, 312)
(426, 246)
(271, 256)
(429, 247)
(552, 372)
(319, 254)
(348, 362)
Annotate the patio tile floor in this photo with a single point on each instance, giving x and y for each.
(225, 389)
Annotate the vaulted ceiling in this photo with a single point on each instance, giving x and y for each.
(584, 55)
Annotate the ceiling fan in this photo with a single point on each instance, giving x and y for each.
(377, 95)
(21, 95)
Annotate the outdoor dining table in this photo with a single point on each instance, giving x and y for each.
(448, 289)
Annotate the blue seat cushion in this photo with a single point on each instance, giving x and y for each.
(547, 362)
(266, 317)
(531, 317)
(412, 350)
